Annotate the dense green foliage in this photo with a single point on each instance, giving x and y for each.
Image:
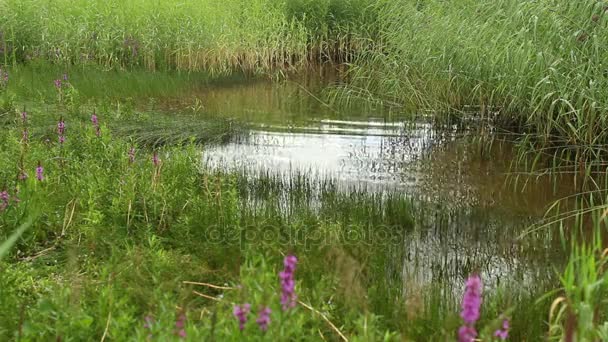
(530, 66)
(106, 247)
(218, 37)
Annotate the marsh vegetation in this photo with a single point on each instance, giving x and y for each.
(357, 170)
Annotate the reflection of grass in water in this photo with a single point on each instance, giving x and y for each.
(371, 271)
(178, 129)
(35, 81)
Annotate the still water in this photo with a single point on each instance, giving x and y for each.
(467, 215)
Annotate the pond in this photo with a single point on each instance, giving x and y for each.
(467, 216)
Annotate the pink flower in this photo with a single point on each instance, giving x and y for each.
(466, 334)
(241, 312)
(471, 301)
(504, 332)
(471, 305)
(288, 284)
(179, 326)
(40, 172)
(61, 127)
(4, 200)
(264, 318)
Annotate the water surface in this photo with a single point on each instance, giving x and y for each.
(467, 218)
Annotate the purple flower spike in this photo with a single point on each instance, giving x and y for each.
(471, 305)
(58, 84)
(241, 312)
(40, 172)
(264, 318)
(65, 77)
(94, 120)
(4, 199)
(148, 321)
(504, 332)
(466, 334)
(155, 159)
(61, 127)
(61, 139)
(179, 326)
(471, 302)
(24, 116)
(288, 295)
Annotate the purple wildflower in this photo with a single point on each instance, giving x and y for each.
(40, 172)
(155, 159)
(95, 122)
(132, 155)
(264, 318)
(61, 139)
(24, 116)
(471, 304)
(466, 334)
(241, 312)
(61, 127)
(65, 77)
(57, 84)
(504, 332)
(471, 301)
(148, 321)
(179, 326)
(4, 199)
(22, 175)
(288, 295)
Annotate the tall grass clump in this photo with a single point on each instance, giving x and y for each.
(536, 67)
(218, 37)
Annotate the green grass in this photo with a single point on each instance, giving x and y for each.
(101, 243)
(234, 35)
(534, 67)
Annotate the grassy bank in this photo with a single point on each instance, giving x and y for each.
(531, 67)
(113, 236)
(234, 35)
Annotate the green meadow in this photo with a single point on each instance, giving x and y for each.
(279, 170)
